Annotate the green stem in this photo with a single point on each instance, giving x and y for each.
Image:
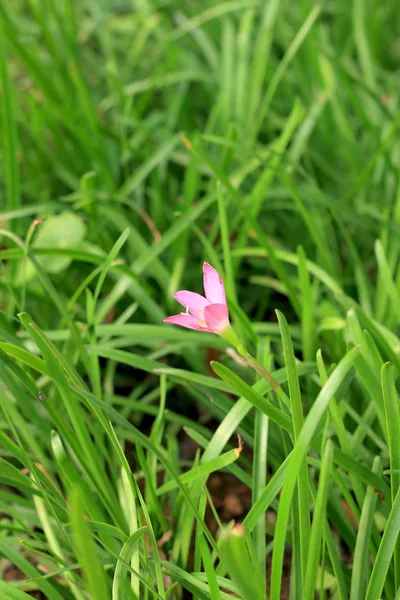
(230, 335)
(265, 374)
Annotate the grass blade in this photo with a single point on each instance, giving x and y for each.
(318, 523)
(126, 553)
(297, 417)
(361, 566)
(94, 572)
(300, 450)
(392, 413)
(385, 552)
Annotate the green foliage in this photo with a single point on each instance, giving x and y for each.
(139, 139)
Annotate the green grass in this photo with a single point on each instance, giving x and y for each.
(139, 139)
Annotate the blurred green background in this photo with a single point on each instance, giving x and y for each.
(293, 105)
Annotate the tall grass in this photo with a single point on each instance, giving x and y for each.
(138, 140)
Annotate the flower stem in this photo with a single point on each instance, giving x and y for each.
(265, 374)
(230, 335)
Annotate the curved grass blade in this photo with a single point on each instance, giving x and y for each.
(126, 553)
(10, 592)
(203, 470)
(25, 357)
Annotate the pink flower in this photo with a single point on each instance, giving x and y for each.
(204, 314)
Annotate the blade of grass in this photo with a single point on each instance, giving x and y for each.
(361, 567)
(385, 552)
(297, 419)
(300, 450)
(225, 240)
(283, 65)
(392, 413)
(261, 430)
(10, 134)
(93, 571)
(203, 470)
(318, 523)
(308, 334)
(126, 553)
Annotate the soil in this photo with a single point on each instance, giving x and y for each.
(13, 574)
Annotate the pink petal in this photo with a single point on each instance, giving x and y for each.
(213, 285)
(193, 301)
(186, 321)
(216, 316)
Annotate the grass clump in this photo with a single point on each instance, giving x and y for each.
(139, 140)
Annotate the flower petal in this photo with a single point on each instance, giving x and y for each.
(216, 316)
(187, 321)
(213, 285)
(193, 301)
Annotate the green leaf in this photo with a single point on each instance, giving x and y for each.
(66, 230)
